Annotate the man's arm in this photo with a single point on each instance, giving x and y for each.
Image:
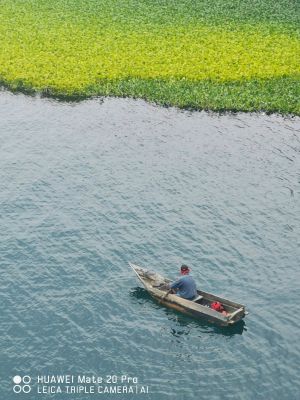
(174, 285)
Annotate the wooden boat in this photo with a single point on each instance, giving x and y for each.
(157, 286)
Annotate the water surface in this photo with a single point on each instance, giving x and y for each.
(87, 187)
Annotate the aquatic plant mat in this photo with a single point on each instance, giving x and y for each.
(206, 54)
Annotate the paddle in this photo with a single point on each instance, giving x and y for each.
(168, 292)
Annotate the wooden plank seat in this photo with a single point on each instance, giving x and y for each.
(199, 297)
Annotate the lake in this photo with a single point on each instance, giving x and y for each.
(87, 187)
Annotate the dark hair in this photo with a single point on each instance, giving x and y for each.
(184, 267)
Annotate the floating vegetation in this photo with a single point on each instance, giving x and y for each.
(209, 54)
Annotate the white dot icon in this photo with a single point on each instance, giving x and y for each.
(17, 379)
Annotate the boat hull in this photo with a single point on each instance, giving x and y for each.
(157, 285)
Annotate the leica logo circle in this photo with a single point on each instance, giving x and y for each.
(21, 384)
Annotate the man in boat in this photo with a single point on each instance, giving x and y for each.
(185, 286)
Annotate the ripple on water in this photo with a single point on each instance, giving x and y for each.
(87, 187)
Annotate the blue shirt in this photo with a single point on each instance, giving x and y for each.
(186, 287)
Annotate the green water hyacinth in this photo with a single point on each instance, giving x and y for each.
(219, 55)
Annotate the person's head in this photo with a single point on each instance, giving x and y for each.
(184, 270)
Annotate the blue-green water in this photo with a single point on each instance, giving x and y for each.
(87, 187)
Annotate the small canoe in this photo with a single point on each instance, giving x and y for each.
(200, 307)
